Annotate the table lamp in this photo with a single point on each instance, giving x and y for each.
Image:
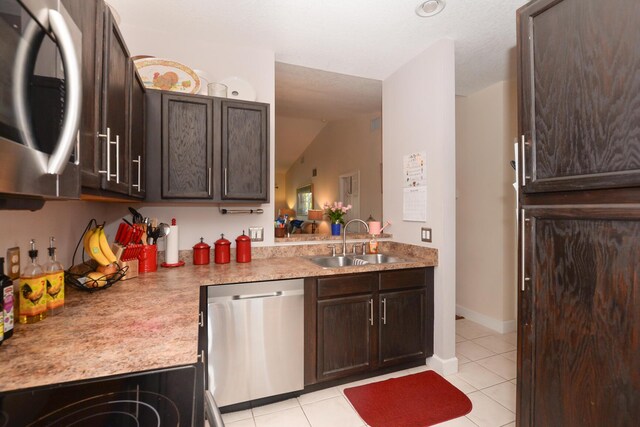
(314, 215)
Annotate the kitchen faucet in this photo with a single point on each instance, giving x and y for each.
(344, 233)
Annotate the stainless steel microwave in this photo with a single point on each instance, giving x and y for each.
(40, 100)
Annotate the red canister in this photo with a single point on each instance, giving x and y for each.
(243, 248)
(222, 250)
(201, 253)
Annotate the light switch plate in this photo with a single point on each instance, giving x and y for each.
(13, 263)
(425, 234)
(256, 234)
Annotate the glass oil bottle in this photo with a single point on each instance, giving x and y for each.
(32, 290)
(55, 281)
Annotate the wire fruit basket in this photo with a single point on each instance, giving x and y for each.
(89, 275)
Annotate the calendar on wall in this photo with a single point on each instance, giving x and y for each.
(414, 197)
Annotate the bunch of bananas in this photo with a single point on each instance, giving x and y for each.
(97, 247)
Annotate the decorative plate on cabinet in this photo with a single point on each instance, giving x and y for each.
(163, 74)
(238, 88)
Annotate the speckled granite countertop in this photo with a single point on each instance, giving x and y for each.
(150, 322)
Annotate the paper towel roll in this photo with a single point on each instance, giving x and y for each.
(171, 251)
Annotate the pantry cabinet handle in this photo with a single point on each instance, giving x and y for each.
(371, 311)
(384, 311)
(201, 319)
(523, 223)
(209, 182)
(524, 144)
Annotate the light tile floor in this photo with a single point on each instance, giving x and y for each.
(487, 372)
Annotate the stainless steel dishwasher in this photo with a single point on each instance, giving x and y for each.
(256, 340)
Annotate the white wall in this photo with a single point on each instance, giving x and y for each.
(486, 227)
(219, 62)
(341, 147)
(419, 115)
(63, 220)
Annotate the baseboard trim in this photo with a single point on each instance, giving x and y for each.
(443, 366)
(499, 326)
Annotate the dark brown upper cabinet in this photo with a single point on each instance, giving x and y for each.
(245, 150)
(579, 95)
(108, 122)
(137, 140)
(187, 147)
(89, 16)
(201, 148)
(114, 129)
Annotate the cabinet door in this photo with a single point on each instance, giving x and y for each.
(402, 326)
(579, 94)
(115, 109)
(89, 16)
(344, 336)
(187, 147)
(579, 318)
(245, 151)
(137, 136)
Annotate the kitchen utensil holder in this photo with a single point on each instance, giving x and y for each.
(148, 259)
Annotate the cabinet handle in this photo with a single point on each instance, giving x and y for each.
(109, 143)
(384, 311)
(524, 144)
(371, 311)
(139, 184)
(209, 182)
(225, 181)
(117, 159)
(201, 319)
(523, 222)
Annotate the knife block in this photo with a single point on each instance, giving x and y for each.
(132, 270)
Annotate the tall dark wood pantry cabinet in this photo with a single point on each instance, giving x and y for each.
(579, 213)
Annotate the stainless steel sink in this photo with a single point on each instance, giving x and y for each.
(332, 261)
(345, 261)
(379, 258)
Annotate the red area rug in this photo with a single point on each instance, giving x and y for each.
(416, 400)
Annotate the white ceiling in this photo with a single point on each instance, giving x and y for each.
(365, 38)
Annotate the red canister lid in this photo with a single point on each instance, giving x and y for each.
(222, 241)
(201, 245)
(243, 238)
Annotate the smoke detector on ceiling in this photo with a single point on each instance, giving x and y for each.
(430, 8)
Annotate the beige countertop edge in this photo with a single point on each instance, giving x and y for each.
(146, 323)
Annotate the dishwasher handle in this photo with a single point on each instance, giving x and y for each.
(252, 296)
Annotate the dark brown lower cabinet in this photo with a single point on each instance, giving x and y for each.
(344, 336)
(402, 326)
(360, 323)
(579, 317)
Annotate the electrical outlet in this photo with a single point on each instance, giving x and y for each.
(425, 234)
(256, 234)
(13, 263)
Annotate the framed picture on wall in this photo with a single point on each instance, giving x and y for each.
(304, 200)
